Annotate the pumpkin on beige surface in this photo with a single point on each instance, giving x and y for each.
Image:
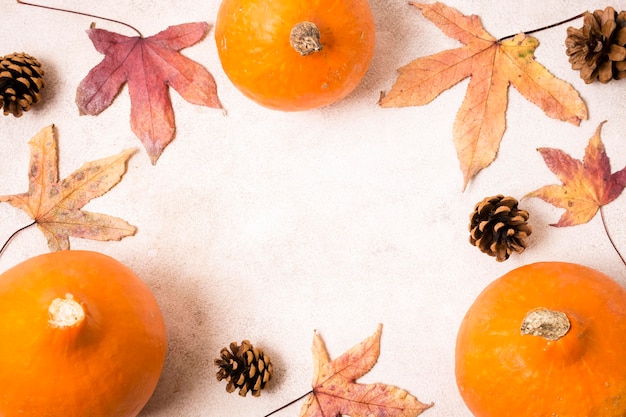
(81, 335)
(295, 55)
(545, 339)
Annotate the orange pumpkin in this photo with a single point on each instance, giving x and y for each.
(546, 339)
(80, 336)
(293, 54)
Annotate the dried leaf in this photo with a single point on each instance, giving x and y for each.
(336, 393)
(56, 205)
(149, 65)
(493, 66)
(587, 184)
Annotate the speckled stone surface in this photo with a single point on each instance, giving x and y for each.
(263, 225)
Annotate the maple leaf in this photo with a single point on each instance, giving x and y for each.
(56, 205)
(587, 185)
(149, 65)
(492, 65)
(335, 391)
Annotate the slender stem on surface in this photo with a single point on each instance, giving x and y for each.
(606, 230)
(81, 14)
(545, 27)
(288, 404)
(13, 235)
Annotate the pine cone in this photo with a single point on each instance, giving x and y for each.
(598, 48)
(498, 228)
(246, 368)
(21, 81)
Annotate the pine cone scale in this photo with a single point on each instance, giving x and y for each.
(617, 53)
(517, 220)
(608, 27)
(620, 37)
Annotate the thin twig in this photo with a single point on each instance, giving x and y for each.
(609, 236)
(288, 404)
(545, 27)
(13, 235)
(81, 14)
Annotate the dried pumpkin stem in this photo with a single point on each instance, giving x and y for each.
(549, 324)
(305, 38)
(65, 312)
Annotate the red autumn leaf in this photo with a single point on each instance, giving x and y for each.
(336, 393)
(492, 67)
(56, 206)
(149, 65)
(587, 185)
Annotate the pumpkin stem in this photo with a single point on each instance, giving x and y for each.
(65, 312)
(305, 38)
(549, 324)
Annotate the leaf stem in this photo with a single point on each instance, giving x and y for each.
(545, 27)
(606, 230)
(13, 235)
(288, 404)
(81, 14)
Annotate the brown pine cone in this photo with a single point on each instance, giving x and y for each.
(244, 367)
(21, 81)
(498, 228)
(598, 49)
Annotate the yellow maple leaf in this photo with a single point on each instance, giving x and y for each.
(492, 65)
(56, 205)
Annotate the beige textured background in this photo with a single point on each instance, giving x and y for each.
(267, 225)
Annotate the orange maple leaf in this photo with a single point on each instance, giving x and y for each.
(492, 65)
(149, 65)
(336, 393)
(56, 205)
(587, 185)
